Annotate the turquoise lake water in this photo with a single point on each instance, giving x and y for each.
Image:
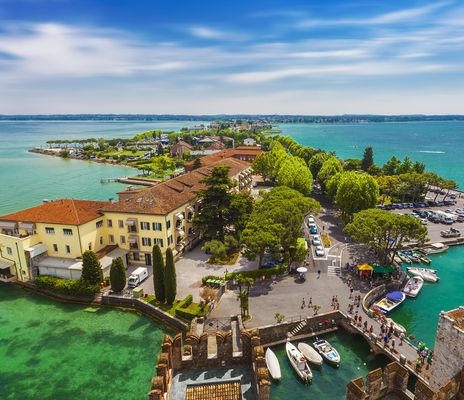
(57, 351)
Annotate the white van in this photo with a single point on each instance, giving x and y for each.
(137, 277)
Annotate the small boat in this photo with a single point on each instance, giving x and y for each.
(429, 275)
(327, 351)
(311, 355)
(298, 362)
(422, 257)
(273, 365)
(413, 286)
(412, 257)
(436, 248)
(390, 301)
(403, 257)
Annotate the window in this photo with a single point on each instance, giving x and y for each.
(146, 241)
(9, 250)
(67, 232)
(111, 238)
(90, 246)
(99, 224)
(68, 249)
(101, 240)
(122, 239)
(55, 248)
(168, 224)
(50, 231)
(121, 223)
(109, 223)
(159, 242)
(170, 240)
(136, 256)
(157, 226)
(145, 226)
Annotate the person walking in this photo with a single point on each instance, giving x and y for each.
(303, 303)
(310, 303)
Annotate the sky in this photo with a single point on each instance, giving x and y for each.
(210, 57)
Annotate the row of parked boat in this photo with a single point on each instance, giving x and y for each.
(301, 356)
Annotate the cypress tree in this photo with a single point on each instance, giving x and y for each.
(368, 159)
(117, 275)
(91, 269)
(170, 277)
(158, 274)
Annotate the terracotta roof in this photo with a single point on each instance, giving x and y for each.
(185, 144)
(216, 146)
(457, 316)
(229, 153)
(214, 391)
(165, 197)
(62, 211)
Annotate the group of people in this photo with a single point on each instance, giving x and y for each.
(425, 357)
(335, 303)
(303, 303)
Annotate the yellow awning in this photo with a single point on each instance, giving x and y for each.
(365, 267)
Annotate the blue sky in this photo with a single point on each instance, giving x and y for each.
(293, 57)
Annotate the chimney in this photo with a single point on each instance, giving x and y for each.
(111, 200)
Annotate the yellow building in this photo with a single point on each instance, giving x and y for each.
(50, 238)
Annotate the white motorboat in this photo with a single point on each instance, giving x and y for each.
(390, 302)
(273, 365)
(429, 275)
(298, 362)
(436, 248)
(413, 286)
(311, 355)
(327, 351)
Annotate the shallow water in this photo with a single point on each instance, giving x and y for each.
(328, 382)
(52, 350)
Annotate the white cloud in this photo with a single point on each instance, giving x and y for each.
(204, 32)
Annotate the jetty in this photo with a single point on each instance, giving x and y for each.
(130, 181)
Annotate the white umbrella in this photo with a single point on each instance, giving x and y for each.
(302, 270)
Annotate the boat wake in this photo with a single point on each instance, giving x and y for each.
(431, 151)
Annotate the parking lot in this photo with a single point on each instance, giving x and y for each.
(434, 226)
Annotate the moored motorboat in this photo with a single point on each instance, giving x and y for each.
(298, 362)
(436, 248)
(422, 257)
(429, 275)
(273, 365)
(311, 355)
(413, 286)
(403, 257)
(390, 301)
(327, 351)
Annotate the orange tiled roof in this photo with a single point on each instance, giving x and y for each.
(62, 211)
(458, 316)
(214, 391)
(229, 153)
(165, 197)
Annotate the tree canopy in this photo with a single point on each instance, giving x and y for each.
(385, 232)
(368, 159)
(295, 174)
(117, 275)
(158, 274)
(91, 268)
(316, 162)
(330, 167)
(170, 280)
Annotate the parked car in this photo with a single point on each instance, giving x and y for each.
(311, 220)
(313, 229)
(320, 251)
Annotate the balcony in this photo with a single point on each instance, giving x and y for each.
(131, 225)
(133, 242)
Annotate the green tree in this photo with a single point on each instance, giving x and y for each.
(241, 207)
(412, 186)
(368, 159)
(216, 248)
(332, 186)
(64, 153)
(405, 167)
(244, 294)
(316, 162)
(264, 165)
(385, 232)
(391, 166)
(158, 274)
(170, 281)
(352, 164)
(295, 174)
(330, 168)
(117, 275)
(91, 269)
(356, 192)
(196, 164)
(214, 217)
(159, 149)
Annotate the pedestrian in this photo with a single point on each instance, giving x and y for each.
(393, 343)
(303, 304)
(385, 340)
(338, 306)
(371, 329)
(401, 338)
(336, 298)
(318, 273)
(351, 292)
(310, 301)
(365, 325)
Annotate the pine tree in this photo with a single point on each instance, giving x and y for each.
(170, 277)
(196, 163)
(91, 269)
(117, 275)
(158, 274)
(368, 158)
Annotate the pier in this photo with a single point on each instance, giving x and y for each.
(130, 181)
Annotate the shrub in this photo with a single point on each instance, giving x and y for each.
(230, 244)
(66, 286)
(216, 248)
(207, 277)
(64, 153)
(91, 269)
(185, 302)
(170, 281)
(118, 275)
(257, 273)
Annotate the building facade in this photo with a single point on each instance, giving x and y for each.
(50, 238)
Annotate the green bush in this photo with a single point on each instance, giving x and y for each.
(194, 310)
(186, 302)
(257, 273)
(205, 278)
(216, 248)
(66, 286)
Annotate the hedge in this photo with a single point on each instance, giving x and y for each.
(214, 277)
(258, 273)
(193, 310)
(185, 302)
(66, 286)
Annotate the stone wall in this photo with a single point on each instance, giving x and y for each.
(392, 381)
(147, 309)
(448, 357)
(179, 355)
(273, 334)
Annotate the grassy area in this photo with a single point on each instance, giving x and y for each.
(194, 309)
(231, 260)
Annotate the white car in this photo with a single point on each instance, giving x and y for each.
(316, 242)
(424, 221)
(311, 220)
(320, 251)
